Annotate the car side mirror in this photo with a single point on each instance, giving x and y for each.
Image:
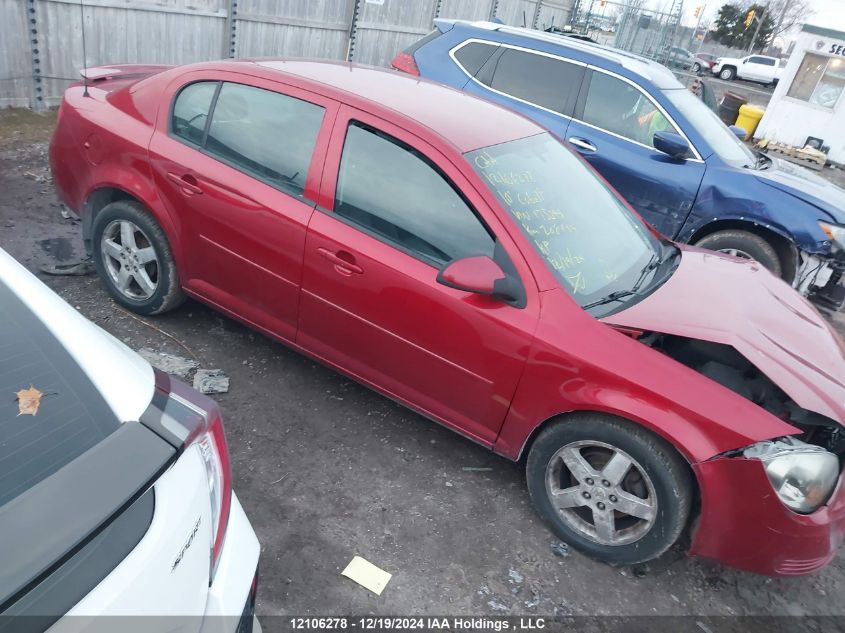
(672, 144)
(479, 275)
(739, 132)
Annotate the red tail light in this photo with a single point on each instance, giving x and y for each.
(201, 425)
(406, 63)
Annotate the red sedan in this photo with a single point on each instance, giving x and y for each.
(703, 61)
(461, 260)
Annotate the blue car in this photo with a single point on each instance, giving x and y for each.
(656, 142)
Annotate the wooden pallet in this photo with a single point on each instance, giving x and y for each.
(807, 156)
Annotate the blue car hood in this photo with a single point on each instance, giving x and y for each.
(806, 185)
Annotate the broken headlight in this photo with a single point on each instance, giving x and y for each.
(802, 475)
(834, 232)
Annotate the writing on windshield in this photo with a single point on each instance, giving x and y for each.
(541, 219)
(579, 227)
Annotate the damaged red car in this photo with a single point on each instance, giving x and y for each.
(464, 262)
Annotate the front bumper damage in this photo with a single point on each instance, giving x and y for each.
(743, 523)
(821, 279)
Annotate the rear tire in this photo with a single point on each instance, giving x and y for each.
(134, 259)
(625, 500)
(746, 245)
(696, 68)
(727, 74)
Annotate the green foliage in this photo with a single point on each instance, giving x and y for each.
(730, 28)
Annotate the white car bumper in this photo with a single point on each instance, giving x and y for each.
(231, 595)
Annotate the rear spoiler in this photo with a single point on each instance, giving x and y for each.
(443, 25)
(122, 71)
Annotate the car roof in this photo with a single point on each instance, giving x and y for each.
(603, 56)
(464, 121)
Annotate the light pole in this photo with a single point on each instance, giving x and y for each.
(757, 30)
(701, 9)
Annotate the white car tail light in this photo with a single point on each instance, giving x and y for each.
(215, 454)
(185, 417)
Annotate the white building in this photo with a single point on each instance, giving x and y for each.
(808, 99)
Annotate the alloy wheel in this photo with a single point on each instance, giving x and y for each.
(601, 492)
(735, 252)
(130, 260)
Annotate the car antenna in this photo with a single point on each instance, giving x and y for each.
(84, 56)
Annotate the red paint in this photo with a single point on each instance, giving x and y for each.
(762, 536)
(474, 274)
(406, 63)
(737, 302)
(491, 371)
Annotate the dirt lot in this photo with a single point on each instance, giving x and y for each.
(327, 469)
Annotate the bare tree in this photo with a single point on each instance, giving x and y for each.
(788, 13)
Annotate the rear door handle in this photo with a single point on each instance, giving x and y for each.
(187, 182)
(583, 144)
(343, 262)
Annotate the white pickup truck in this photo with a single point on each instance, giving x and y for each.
(759, 68)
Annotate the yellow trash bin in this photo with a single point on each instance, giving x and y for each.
(749, 118)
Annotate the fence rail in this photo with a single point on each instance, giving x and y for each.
(41, 41)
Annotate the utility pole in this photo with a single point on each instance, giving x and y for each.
(757, 30)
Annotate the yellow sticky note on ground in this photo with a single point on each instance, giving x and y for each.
(367, 575)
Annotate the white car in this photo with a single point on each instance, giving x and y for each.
(759, 68)
(115, 487)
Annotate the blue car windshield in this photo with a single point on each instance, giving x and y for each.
(711, 128)
(587, 236)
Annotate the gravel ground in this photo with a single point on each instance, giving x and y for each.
(327, 469)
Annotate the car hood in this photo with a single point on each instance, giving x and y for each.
(806, 185)
(722, 299)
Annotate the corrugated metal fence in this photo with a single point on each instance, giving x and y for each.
(41, 41)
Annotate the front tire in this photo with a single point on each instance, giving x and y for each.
(609, 488)
(134, 259)
(727, 74)
(744, 245)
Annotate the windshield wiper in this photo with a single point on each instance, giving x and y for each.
(618, 295)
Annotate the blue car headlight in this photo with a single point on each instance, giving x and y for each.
(834, 232)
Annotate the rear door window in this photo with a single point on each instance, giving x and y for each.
(266, 134)
(541, 80)
(190, 110)
(472, 56)
(392, 191)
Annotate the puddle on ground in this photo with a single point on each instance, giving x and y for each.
(59, 248)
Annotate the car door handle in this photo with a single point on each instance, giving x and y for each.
(344, 262)
(187, 182)
(583, 144)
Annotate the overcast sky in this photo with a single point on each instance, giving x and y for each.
(829, 13)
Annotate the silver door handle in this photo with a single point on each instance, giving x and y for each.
(582, 144)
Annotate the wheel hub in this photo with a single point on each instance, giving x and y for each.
(130, 260)
(735, 252)
(601, 492)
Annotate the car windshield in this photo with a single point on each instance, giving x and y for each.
(586, 234)
(717, 135)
